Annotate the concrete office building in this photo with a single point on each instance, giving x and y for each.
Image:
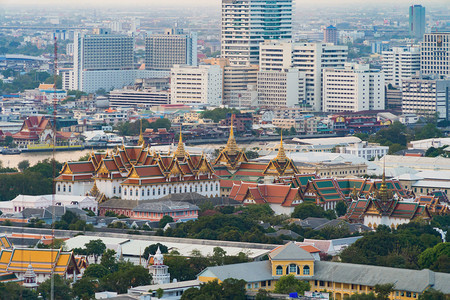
(284, 88)
(330, 35)
(400, 63)
(237, 80)
(435, 54)
(202, 84)
(174, 47)
(138, 98)
(310, 58)
(426, 96)
(353, 88)
(417, 21)
(247, 23)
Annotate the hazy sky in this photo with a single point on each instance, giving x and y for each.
(167, 3)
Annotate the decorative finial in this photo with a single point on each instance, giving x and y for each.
(180, 152)
(281, 153)
(141, 136)
(232, 147)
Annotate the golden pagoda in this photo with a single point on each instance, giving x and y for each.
(180, 152)
(281, 165)
(232, 156)
(141, 141)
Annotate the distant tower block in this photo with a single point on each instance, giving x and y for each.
(330, 35)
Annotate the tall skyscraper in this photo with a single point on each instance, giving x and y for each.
(174, 47)
(330, 35)
(247, 23)
(417, 21)
(435, 54)
(400, 63)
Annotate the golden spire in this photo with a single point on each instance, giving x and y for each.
(383, 193)
(232, 146)
(281, 154)
(180, 152)
(141, 137)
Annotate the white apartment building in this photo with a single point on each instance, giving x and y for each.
(435, 54)
(425, 96)
(353, 88)
(202, 84)
(284, 88)
(310, 58)
(247, 23)
(365, 150)
(174, 47)
(140, 98)
(400, 63)
(104, 61)
(237, 80)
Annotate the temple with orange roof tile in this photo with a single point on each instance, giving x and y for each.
(137, 173)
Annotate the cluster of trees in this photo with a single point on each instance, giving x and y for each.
(414, 245)
(35, 180)
(228, 289)
(308, 209)
(30, 80)
(128, 129)
(218, 114)
(228, 224)
(397, 135)
(71, 221)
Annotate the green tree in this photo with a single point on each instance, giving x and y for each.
(164, 220)
(432, 294)
(128, 275)
(23, 165)
(218, 114)
(159, 293)
(96, 271)
(62, 290)
(289, 284)
(108, 260)
(219, 256)
(14, 291)
(305, 210)
(151, 250)
(234, 289)
(263, 295)
(427, 132)
(341, 208)
(429, 259)
(84, 288)
(384, 290)
(251, 154)
(95, 248)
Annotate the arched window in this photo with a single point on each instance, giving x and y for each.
(185, 189)
(306, 270)
(148, 192)
(131, 192)
(59, 188)
(159, 191)
(137, 192)
(70, 188)
(142, 193)
(64, 188)
(293, 268)
(125, 192)
(114, 190)
(217, 186)
(206, 188)
(190, 189)
(164, 191)
(195, 188)
(201, 188)
(279, 270)
(120, 189)
(153, 191)
(170, 190)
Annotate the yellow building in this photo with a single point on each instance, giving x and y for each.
(341, 280)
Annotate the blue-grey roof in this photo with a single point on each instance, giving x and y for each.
(165, 206)
(345, 241)
(404, 279)
(290, 251)
(250, 272)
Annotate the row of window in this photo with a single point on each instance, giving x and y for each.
(293, 269)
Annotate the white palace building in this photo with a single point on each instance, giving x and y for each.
(136, 173)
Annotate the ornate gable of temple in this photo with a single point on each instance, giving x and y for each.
(232, 156)
(281, 165)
